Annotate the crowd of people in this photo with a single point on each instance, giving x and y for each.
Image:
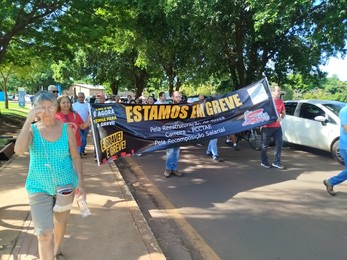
(143, 99)
(55, 133)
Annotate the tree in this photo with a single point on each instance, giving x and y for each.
(32, 76)
(22, 20)
(165, 28)
(5, 73)
(245, 40)
(22, 23)
(151, 44)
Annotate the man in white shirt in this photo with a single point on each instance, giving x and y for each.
(82, 108)
(111, 99)
(173, 154)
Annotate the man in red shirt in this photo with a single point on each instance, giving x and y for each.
(274, 129)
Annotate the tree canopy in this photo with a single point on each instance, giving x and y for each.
(170, 45)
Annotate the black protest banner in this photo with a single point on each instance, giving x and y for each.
(125, 129)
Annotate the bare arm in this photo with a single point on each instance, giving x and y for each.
(76, 159)
(85, 124)
(25, 136)
(282, 114)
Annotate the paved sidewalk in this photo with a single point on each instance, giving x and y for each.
(116, 228)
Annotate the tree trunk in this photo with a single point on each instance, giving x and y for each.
(114, 85)
(5, 80)
(178, 84)
(239, 51)
(141, 77)
(171, 76)
(3, 47)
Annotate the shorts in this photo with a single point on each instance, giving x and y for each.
(42, 212)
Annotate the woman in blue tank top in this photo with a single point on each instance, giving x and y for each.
(54, 161)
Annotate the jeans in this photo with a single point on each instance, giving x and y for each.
(276, 132)
(84, 134)
(212, 148)
(342, 176)
(172, 156)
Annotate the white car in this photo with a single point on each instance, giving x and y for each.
(313, 123)
(28, 98)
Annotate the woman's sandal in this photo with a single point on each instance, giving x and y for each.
(59, 256)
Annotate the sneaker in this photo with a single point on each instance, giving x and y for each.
(209, 154)
(167, 173)
(266, 165)
(84, 153)
(177, 173)
(329, 187)
(217, 159)
(228, 142)
(59, 256)
(236, 147)
(278, 166)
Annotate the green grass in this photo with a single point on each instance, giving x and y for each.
(14, 109)
(3, 141)
(11, 119)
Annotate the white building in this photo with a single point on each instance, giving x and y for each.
(88, 90)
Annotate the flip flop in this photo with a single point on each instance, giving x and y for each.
(59, 256)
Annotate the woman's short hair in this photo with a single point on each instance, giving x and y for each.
(44, 96)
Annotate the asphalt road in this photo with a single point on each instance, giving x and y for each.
(237, 209)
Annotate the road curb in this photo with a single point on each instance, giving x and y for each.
(152, 245)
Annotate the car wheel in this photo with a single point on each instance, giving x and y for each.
(336, 153)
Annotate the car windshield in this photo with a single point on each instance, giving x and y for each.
(335, 108)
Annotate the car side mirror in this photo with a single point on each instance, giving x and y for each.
(321, 119)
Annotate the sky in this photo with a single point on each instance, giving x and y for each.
(337, 67)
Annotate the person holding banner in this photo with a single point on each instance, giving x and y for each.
(200, 98)
(173, 154)
(212, 150)
(274, 129)
(100, 98)
(150, 100)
